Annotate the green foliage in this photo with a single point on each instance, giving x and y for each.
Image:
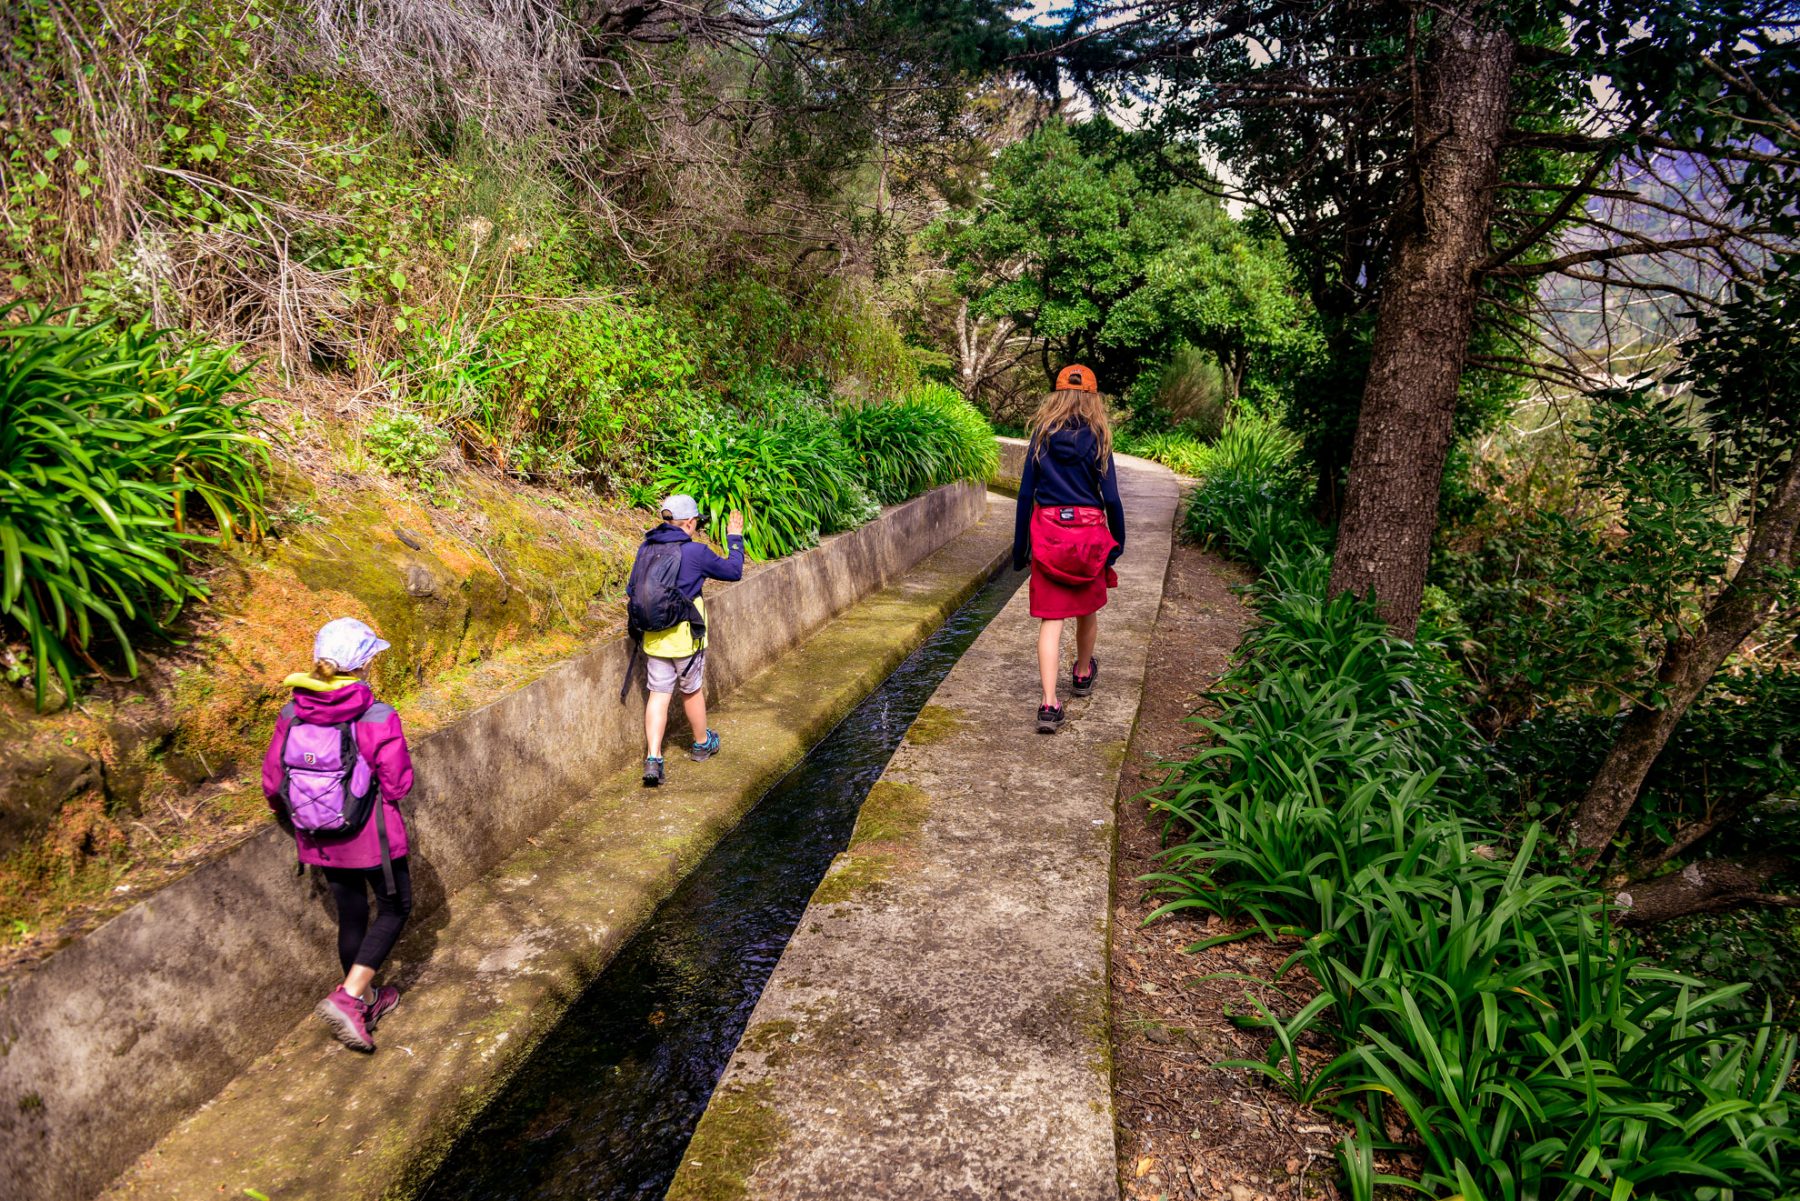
(929, 437)
(1085, 244)
(114, 444)
(754, 338)
(1732, 755)
(1189, 393)
(583, 392)
(792, 478)
(796, 472)
(1472, 991)
(1758, 947)
(1255, 447)
(1575, 594)
(1180, 452)
(406, 445)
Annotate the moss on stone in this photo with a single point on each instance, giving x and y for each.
(890, 818)
(893, 812)
(850, 876)
(738, 1132)
(765, 1036)
(934, 724)
(1113, 754)
(1086, 1007)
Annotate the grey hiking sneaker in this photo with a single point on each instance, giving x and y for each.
(1050, 719)
(700, 752)
(653, 771)
(1085, 684)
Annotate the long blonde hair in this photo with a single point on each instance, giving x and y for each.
(1072, 406)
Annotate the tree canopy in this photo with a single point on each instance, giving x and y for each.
(1084, 241)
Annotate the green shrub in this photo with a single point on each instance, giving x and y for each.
(1470, 988)
(1179, 452)
(584, 392)
(792, 478)
(930, 437)
(1189, 391)
(1255, 447)
(406, 445)
(112, 445)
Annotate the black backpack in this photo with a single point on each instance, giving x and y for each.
(656, 601)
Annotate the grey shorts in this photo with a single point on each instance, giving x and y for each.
(661, 675)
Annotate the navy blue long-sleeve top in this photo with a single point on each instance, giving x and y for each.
(1068, 472)
(698, 562)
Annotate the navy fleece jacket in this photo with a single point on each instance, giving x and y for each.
(698, 563)
(1068, 472)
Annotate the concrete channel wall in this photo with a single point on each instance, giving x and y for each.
(110, 1042)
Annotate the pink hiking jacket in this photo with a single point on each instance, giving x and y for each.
(381, 743)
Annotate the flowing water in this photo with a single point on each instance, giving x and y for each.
(605, 1105)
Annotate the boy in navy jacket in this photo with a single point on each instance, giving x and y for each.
(677, 655)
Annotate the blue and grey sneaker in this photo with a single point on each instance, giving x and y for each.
(1085, 684)
(653, 771)
(700, 752)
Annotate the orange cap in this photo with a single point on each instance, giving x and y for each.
(1075, 378)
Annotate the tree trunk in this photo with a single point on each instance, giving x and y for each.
(1688, 666)
(1427, 313)
(1703, 886)
(976, 358)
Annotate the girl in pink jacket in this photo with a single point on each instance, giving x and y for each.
(355, 861)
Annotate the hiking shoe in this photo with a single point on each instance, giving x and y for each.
(700, 752)
(1085, 684)
(1049, 719)
(386, 997)
(653, 772)
(348, 1018)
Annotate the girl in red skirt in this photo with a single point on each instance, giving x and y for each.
(1072, 526)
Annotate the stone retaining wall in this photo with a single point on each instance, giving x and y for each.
(108, 1043)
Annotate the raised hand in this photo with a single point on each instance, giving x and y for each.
(735, 525)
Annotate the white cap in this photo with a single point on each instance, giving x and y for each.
(680, 507)
(348, 643)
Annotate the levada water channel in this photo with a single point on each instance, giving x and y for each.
(605, 1105)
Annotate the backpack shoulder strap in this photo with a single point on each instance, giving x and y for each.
(288, 711)
(380, 711)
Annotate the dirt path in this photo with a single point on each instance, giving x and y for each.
(1185, 1128)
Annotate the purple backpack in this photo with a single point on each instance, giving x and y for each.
(328, 788)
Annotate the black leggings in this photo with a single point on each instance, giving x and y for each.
(360, 941)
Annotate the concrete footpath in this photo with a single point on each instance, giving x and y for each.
(937, 1028)
(486, 976)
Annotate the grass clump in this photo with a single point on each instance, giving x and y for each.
(927, 438)
(1252, 446)
(1483, 1007)
(797, 472)
(1179, 452)
(792, 478)
(119, 451)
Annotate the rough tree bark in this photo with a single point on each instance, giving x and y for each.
(977, 357)
(1687, 666)
(1704, 886)
(1427, 312)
